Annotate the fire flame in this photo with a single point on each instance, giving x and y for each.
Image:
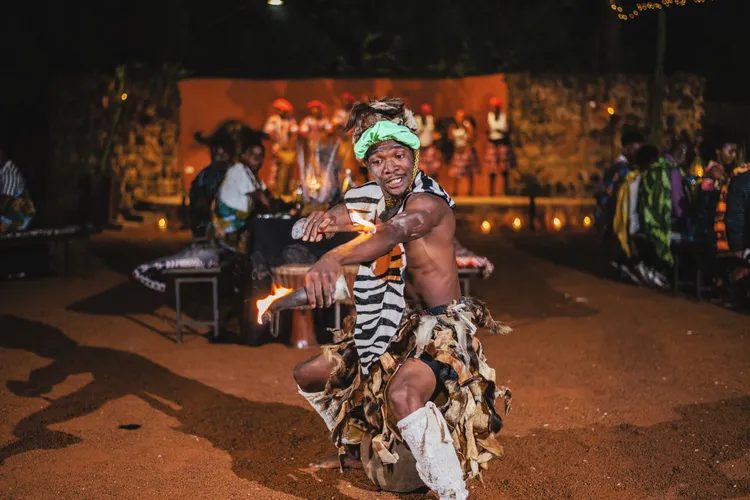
(265, 303)
(361, 221)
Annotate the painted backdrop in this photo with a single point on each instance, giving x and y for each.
(207, 102)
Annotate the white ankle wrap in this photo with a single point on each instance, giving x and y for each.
(427, 434)
(316, 401)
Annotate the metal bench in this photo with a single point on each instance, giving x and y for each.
(184, 276)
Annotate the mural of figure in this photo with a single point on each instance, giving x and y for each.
(464, 160)
(281, 127)
(429, 155)
(498, 156)
(320, 161)
(315, 127)
(340, 115)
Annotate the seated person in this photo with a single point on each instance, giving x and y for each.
(733, 229)
(206, 184)
(242, 193)
(715, 177)
(614, 175)
(641, 204)
(16, 208)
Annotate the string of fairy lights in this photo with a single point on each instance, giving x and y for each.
(627, 14)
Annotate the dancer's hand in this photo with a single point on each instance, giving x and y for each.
(315, 224)
(320, 282)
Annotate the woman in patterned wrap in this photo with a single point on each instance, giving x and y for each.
(242, 191)
(403, 373)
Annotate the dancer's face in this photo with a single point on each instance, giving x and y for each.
(391, 165)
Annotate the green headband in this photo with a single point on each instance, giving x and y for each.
(384, 131)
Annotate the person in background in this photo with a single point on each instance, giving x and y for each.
(605, 197)
(715, 177)
(680, 158)
(16, 207)
(627, 219)
(738, 211)
(732, 226)
(655, 212)
(205, 186)
(606, 202)
(242, 193)
(281, 127)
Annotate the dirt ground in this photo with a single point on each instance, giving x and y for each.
(619, 392)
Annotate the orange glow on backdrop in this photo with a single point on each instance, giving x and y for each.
(207, 102)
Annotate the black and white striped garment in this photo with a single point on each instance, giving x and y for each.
(379, 287)
(11, 180)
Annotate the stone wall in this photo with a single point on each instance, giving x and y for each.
(564, 134)
(123, 128)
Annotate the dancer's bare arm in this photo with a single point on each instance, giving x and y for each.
(421, 215)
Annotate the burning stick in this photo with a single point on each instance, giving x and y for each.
(284, 298)
(360, 225)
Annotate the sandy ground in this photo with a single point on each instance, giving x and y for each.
(619, 392)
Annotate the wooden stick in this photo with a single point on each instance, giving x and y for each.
(345, 228)
(348, 228)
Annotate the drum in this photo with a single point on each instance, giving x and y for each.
(293, 276)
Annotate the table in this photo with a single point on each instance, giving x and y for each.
(182, 276)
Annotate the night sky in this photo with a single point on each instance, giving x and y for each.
(342, 38)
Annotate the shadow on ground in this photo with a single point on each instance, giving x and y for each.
(519, 286)
(132, 300)
(679, 456)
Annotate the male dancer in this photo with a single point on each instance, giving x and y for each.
(388, 369)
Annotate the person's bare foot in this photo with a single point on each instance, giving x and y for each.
(349, 461)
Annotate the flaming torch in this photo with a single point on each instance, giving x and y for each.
(263, 304)
(284, 298)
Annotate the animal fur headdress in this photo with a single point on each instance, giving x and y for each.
(366, 114)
